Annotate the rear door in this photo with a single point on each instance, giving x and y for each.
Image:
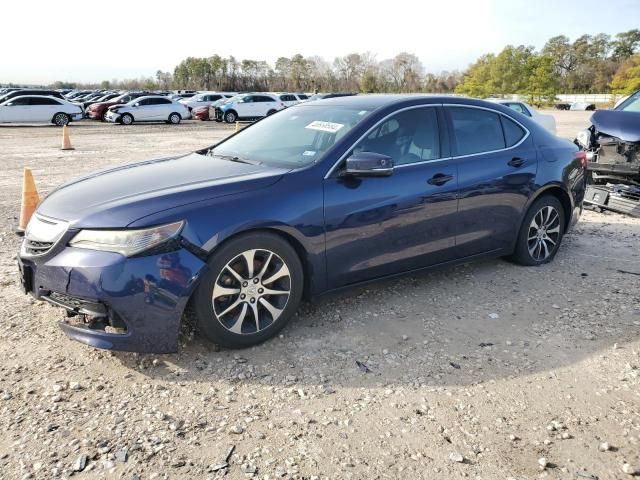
(497, 165)
(43, 109)
(165, 107)
(265, 104)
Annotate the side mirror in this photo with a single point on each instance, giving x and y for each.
(136, 104)
(369, 164)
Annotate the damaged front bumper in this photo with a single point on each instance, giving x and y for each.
(114, 302)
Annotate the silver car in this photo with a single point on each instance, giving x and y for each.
(153, 108)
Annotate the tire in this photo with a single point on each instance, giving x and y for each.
(126, 119)
(224, 300)
(104, 115)
(537, 246)
(175, 118)
(61, 119)
(271, 112)
(230, 117)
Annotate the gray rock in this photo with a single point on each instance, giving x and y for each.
(81, 463)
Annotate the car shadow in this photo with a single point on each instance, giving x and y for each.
(460, 325)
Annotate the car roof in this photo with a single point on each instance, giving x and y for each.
(151, 96)
(35, 96)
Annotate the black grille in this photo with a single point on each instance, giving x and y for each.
(36, 248)
(76, 305)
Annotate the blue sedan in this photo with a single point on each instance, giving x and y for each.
(318, 197)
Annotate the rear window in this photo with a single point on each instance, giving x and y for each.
(476, 130)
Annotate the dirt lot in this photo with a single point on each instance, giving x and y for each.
(483, 371)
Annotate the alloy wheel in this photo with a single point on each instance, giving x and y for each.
(251, 291)
(544, 233)
(61, 119)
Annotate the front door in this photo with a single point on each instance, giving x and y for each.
(377, 226)
(17, 110)
(497, 164)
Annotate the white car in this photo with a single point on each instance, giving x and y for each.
(547, 121)
(204, 99)
(39, 109)
(290, 99)
(248, 106)
(153, 108)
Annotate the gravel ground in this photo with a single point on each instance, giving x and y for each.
(485, 371)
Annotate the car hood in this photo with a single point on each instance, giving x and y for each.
(117, 197)
(623, 125)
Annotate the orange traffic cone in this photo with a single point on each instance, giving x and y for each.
(66, 141)
(30, 199)
(237, 126)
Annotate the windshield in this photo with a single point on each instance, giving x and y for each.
(631, 104)
(295, 137)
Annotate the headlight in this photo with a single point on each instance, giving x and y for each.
(584, 138)
(126, 242)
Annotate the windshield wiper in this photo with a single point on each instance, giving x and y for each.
(231, 158)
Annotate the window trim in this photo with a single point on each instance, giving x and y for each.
(453, 135)
(376, 125)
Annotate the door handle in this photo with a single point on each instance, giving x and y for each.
(439, 179)
(516, 162)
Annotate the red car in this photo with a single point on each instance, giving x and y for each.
(201, 113)
(98, 111)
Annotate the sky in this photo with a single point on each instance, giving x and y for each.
(89, 41)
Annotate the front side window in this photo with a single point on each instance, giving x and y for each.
(296, 137)
(407, 137)
(476, 130)
(631, 104)
(20, 101)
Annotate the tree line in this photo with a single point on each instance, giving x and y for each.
(589, 64)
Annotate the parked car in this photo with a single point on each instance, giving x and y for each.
(582, 106)
(148, 109)
(612, 146)
(39, 109)
(248, 106)
(30, 91)
(100, 97)
(200, 113)
(98, 111)
(290, 99)
(205, 99)
(547, 121)
(322, 196)
(322, 96)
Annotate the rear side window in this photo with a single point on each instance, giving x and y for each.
(162, 101)
(513, 132)
(262, 98)
(476, 130)
(302, 96)
(288, 98)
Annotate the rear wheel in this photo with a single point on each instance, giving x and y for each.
(541, 232)
(126, 119)
(271, 112)
(252, 288)
(175, 118)
(61, 119)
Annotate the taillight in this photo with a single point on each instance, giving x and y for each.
(582, 156)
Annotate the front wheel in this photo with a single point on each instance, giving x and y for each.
(230, 117)
(126, 119)
(61, 119)
(251, 290)
(541, 232)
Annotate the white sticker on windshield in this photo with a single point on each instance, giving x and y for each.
(308, 153)
(362, 112)
(325, 126)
